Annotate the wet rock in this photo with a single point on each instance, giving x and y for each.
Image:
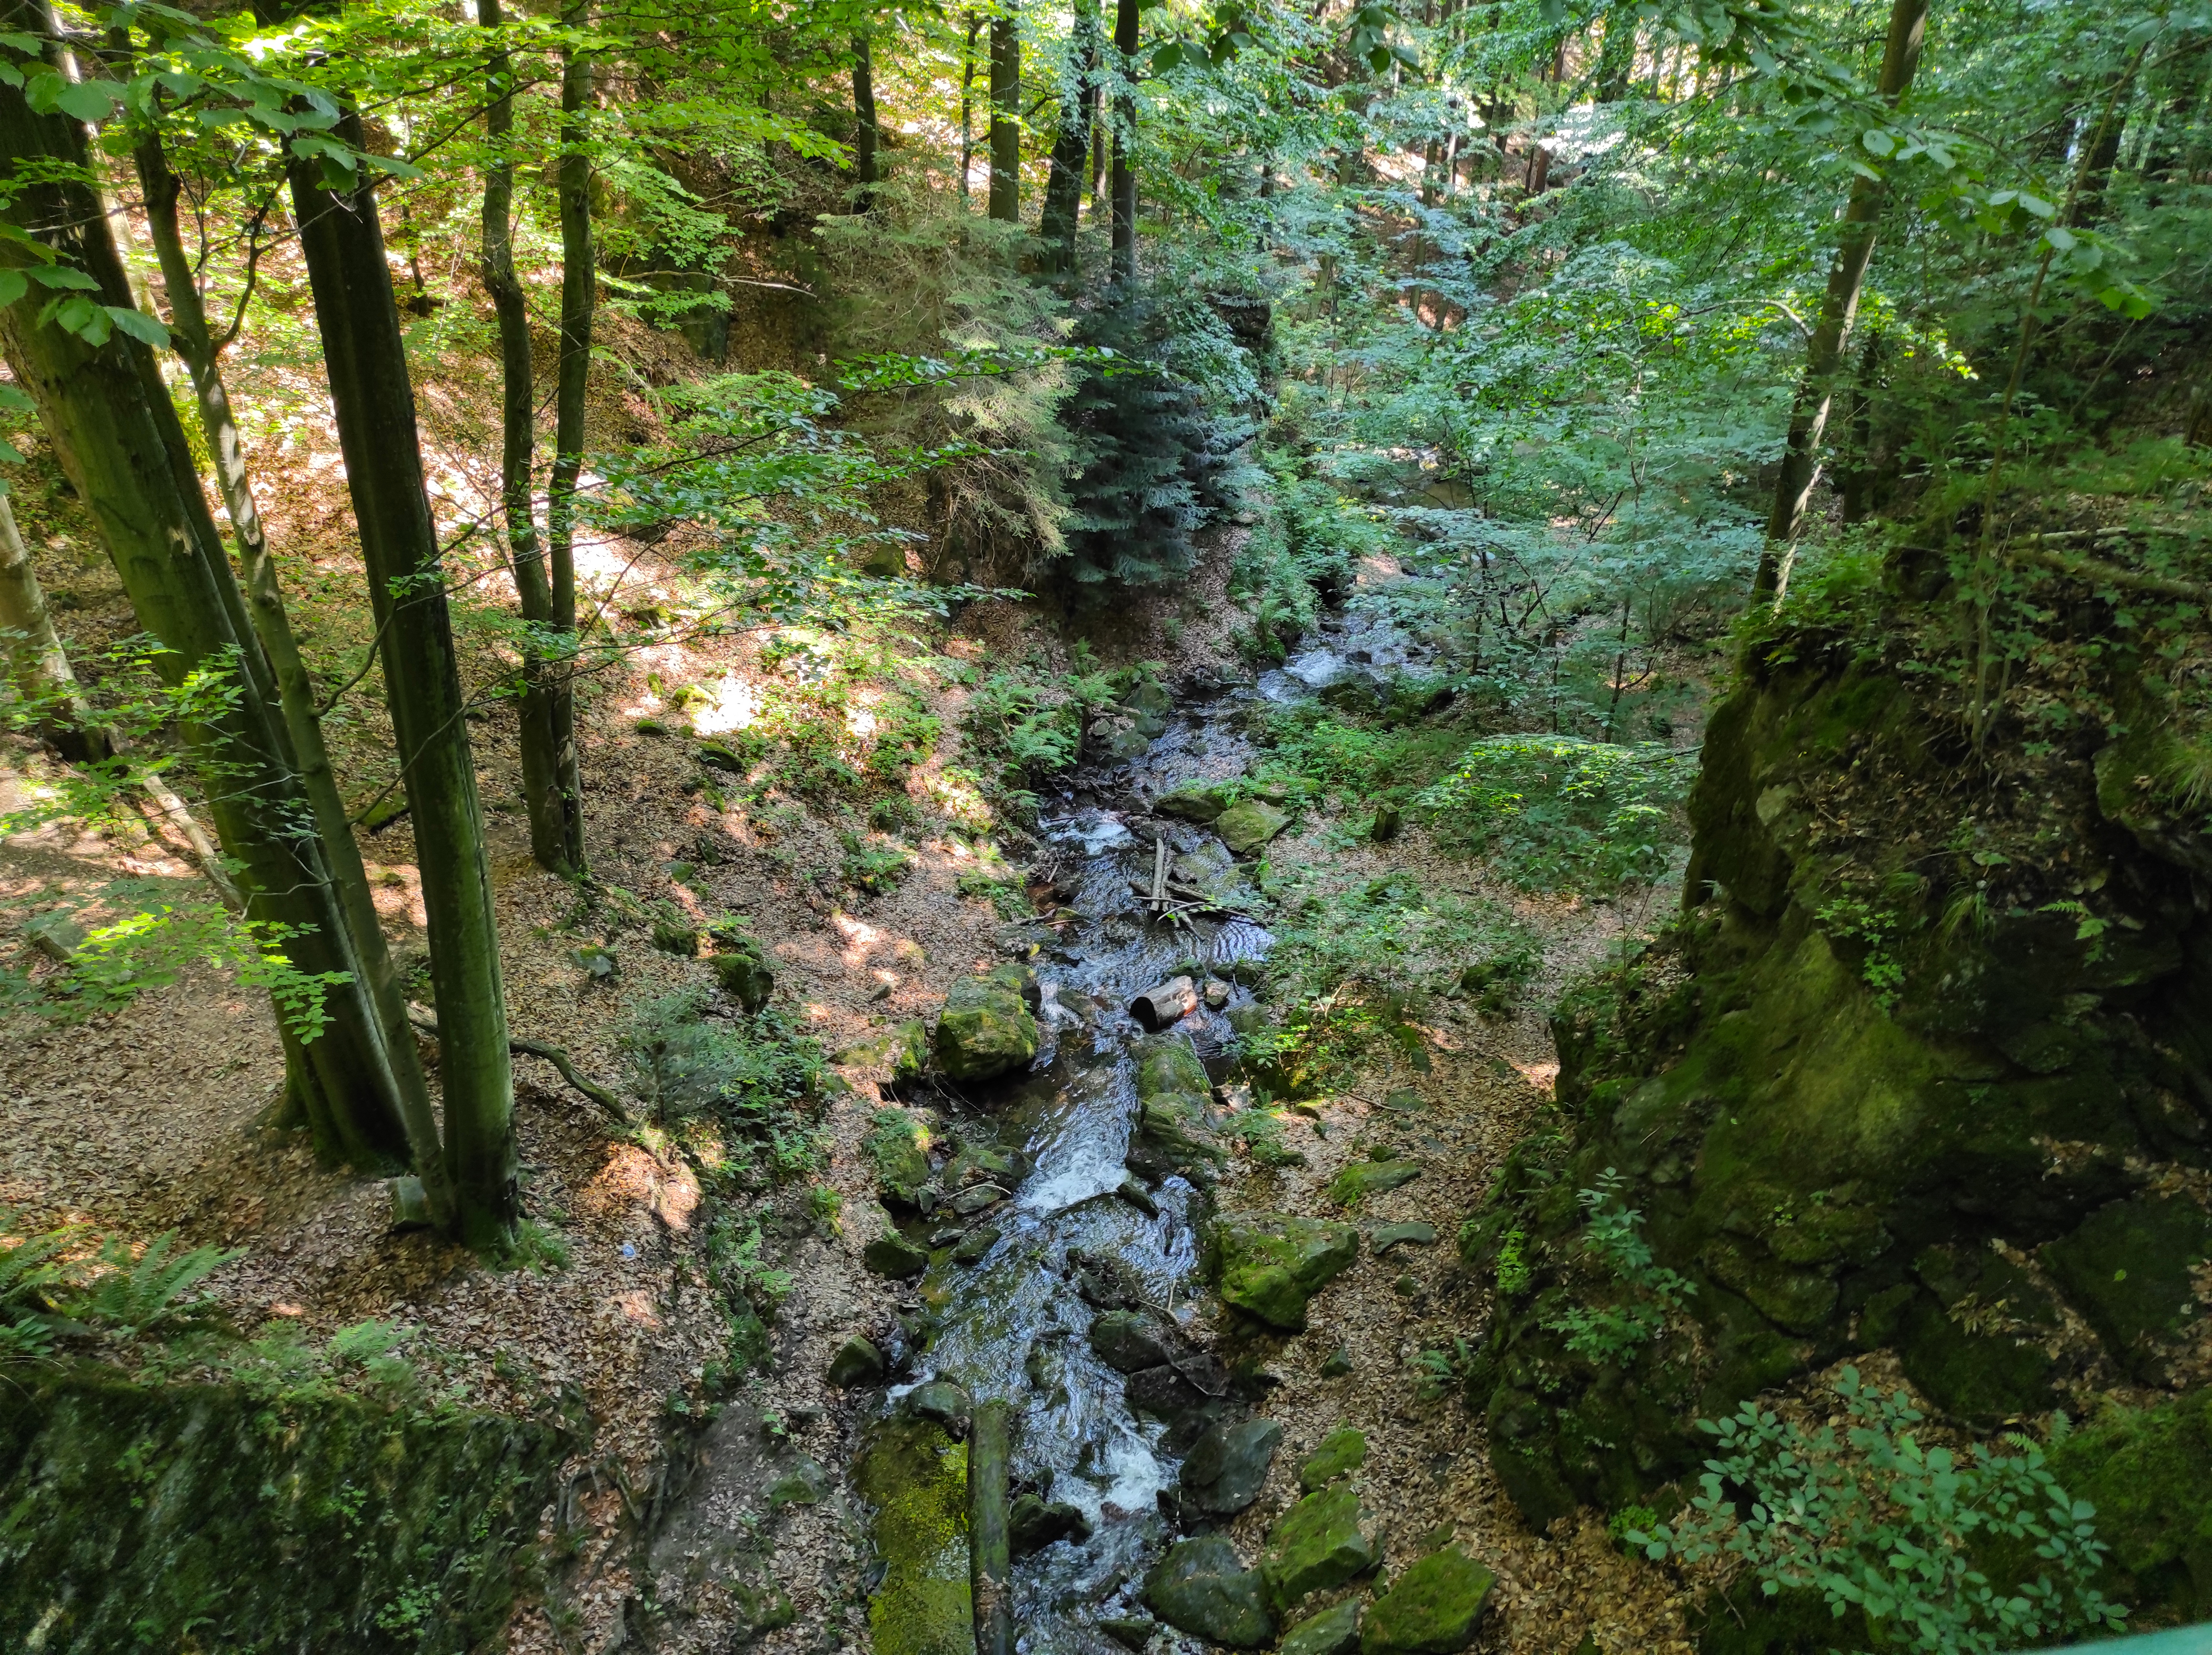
(894, 1256)
(1386, 1236)
(1149, 702)
(1342, 1451)
(1174, 1127)
(2127, 1270)
(974, 1199)
(988, 1026)
(857, 1362)
(1203, 1369)
(942, 1401)
(1227, 1467)
(974, 1244)
(1245, 828)
(1131, 1632)
(1331, 1632)
(1104, 1282)
(743, 971)
(1198, 802)
(1162, 1392)
(1318, 1543)
(1138, 1197)
(1032, 1524)
(1216, 994)
(946, 1236)
(1125, 1343)
(1430, 1609)
(1165, 1002)
(979, 1163)
(1362, 1179)
(1270, 1264)
(1200, 1587)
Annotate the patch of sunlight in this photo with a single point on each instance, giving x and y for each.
(731, 704)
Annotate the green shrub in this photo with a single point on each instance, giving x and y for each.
(745, 1091)
(1558, 812)
(1612, 1233)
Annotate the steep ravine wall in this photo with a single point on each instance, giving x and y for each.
(1881, 1089)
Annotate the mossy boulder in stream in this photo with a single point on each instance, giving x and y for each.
(204, 1517)
(915, 1476)
(1174, 1132)
(1194, 801)
(1879, 1087)
(988, 1026)
(1245, 828)
(1271, 1265)
(1201, 1587)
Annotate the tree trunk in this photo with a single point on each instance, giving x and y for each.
(1005, 120)
(967, 108)
(38, 665)
(111, 424)
(1824, 353)
(1125, 140)
(1071, 147)
(195, 344)
(343, 245)
(865, 133)
(538, 740)
(990, 1567)
(580, 287)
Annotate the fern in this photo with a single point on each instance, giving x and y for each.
(133, 1297)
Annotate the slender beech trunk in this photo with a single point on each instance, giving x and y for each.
(580, 287)
(543, 800)
(38, 665)
(990, 1567)
(196, 346)
(1100, 141)
(109, 417)
(1070, 146)
(967, 104)
(1005, 119)
(1824, 352)
(1125, 142)
(865, 133)
(343, 244)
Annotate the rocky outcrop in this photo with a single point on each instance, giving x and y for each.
(1897, 1080)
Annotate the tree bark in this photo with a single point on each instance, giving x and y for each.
(1071, 147)
(112, 426)
(343, 244)
(38, 665)
(196, 346)
(865, 133)
(1824, 352)
(538, 737)
(580, 287)
(1125, 141)
(1006, 204)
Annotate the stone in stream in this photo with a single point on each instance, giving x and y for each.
(1194, 801)
(1138, 1197)
(1318, 1543)
(1245, 828)
(1362, 1179)
(1125, 1343)
(979, 1163)
(1200, 1587)
(1215, 994)
(973, 1200)
(974, 1244)
(743, 971)
(1162, 1392)
(1174, 1101)
(1227, 1467)
(1165, 1002)
(1342, 1451)
(1331, 1632)
(1032, 1524)
(1416, 1235)
(1131, 1632)
(1430, 1609)
(988, 1025)
(857, 1362)
(1270, 1264)
(894, 1256)
(942, 1401)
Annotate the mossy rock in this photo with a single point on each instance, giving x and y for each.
(1270, 1264)
(1361, 1179)
(1318, 1543)
(1227, 1467)
(2127, 1270)
(894, 1256)
(1200, 1587)
(2148, 1473)
(903, 1048)
(201, 1516)
(898, 1143)
(1331, 1632)
(1245, 828)
(856, 1362)
(1198, 802)
(1174, 1131)
(1430, 1609)
(743, 971)
(987, 1029)
(915, 1474)
(1342, 1451)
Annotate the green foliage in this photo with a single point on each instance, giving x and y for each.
(1557, 812)
(875, 866)
(1875, 1520)
(130, 1296)
(1613, 1234)
(1008, 898)
(1875, 929)
(1514, 1270)
(537, 1247)
(746, 1091)
(1396, 936)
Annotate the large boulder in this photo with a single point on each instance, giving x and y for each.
(1227, 1467)
(989, 1025)
(1432, 1609)
(1175, 1112)
(1318, 1543)
(1200, 1587)
(1270, 1264)
(1126, 1341)
(1245, 828)
(1198, 802)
